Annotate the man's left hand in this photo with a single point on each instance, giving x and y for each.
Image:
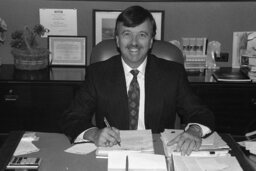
(190, 140)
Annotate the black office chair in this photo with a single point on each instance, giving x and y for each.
(162, 49)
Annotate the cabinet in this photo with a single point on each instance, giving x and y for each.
(35, 100)
(233, 104)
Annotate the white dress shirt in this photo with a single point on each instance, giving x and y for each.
(141, 81)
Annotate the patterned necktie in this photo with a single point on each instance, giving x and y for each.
(133, 101)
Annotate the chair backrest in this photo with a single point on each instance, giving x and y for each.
(162, 49)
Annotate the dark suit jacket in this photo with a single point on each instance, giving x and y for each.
(104, 93)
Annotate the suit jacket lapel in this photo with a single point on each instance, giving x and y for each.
(152, 94)
(119, 86)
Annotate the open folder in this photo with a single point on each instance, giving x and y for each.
(224, 163)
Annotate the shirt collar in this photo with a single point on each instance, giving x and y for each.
(141, 68)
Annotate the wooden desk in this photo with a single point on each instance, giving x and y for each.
(52, 146)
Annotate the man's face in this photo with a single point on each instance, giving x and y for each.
(134, 42)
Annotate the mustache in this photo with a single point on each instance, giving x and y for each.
(133, 46)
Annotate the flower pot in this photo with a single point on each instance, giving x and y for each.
(30, 60)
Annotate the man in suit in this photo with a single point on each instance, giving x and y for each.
(161, 90)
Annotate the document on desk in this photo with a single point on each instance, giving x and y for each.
(212, 146)
(131, 141)
(224, 163)
(136, 161)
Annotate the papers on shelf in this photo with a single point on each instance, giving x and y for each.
(25, 145)
(224, 163)
(131, 141)
(212, 146)
(136, 161)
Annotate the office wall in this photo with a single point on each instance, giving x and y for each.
(214, 20)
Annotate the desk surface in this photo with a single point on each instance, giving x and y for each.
(52, 146)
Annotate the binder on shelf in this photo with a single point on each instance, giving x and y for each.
(230, 75)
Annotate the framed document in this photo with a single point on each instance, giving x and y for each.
(105, 20)
(67, 50)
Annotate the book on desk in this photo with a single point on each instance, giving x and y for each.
(230, 75)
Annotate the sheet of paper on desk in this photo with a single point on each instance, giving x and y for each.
(25, 145)
(131, 140)
(212, 143)
(225, 163)
(250, 146)
(136, 161)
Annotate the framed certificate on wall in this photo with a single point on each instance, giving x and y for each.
(67, 50)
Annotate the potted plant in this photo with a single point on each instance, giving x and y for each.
(3, 28)
(25, 48)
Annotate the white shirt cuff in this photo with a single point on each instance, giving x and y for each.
(80, 137)
(205, 129)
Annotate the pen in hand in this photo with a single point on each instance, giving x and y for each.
(108, 125)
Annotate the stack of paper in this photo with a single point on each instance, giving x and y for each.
(251, 146)
(131, 141)
(136, 161)
(224, 163)
(211, 146)
(25, 145)
(250, 143)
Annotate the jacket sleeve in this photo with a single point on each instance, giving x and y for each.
(78, 116)
(190, 106)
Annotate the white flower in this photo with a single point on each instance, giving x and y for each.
(3, 28)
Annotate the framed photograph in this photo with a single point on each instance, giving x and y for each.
(67, 50)
(104, 24)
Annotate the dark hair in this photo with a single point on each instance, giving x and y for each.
(134, 16)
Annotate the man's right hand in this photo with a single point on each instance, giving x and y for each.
(105, 137)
